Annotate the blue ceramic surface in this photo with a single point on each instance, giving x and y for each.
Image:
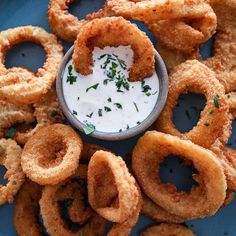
(34, 12)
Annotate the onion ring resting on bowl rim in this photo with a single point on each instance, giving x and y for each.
(19, 85)
(69, 192)
(105, 169)
(114, 31)
(167, 230)
(193, 76)
(10, 154)
(52, 154)
(27, 209)
(203, 200)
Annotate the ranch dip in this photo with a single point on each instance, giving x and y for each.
(105, 100)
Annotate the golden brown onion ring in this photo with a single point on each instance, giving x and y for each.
(108, 179)
(19, 85)
(51, 209)
(223, 61)
(167, 230)
(203, 200)
(52, 154)
(10, 154)
(27, 209)
(63, 24)
(193, 76)
(114, 31)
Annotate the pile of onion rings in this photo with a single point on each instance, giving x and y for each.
(103, 32)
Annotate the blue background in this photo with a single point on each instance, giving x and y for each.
(34, 12)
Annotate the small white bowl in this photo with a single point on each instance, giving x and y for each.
(115, 136)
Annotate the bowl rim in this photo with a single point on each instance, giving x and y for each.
(162, 74)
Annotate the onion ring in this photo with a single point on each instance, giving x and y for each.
(51, 211)
(195, 77)
(114, 31)
(167, 230)
(27, 209)
(19, 85)
(121, 185)
(47, 112)
(203, 200)
(157, 213)
(223, 61)
(52, 154)
(10, 154)
(63, 24)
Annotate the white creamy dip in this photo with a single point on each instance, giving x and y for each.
(105, 100)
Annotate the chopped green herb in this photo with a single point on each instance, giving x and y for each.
(10, 133)
(146, 88)
(154, 93)
(187, 114)
(75, 112)
(92, 87)
(105, 81)
(68, 202)
(89, 128)
(211, 112)
(216, 101)
(99, 112)
(119, 91)
(206, 124)
(107, 109)
(136, 107)
(90, 115)
(78, 98)
(109, 100)
(120, 130)
(71, 78)
(118, 105)
(138, 123)
(127, 127)
(122, 82)
(54, 113)
(148, 94)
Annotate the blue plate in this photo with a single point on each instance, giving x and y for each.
(31, 12)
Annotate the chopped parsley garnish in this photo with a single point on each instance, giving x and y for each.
(109, 100)
(138, 123)
(146, 88)
(206, 124)
(120, 130)
(187, 114)
(68, 202)
(127, 127)
(105, 81)
(90, 115)
(107, 109)
(92, 87)
(121, 81)
(118, 105)
(54, 113)
(99, 112)
(10, 133)
(78, 98)
(70, 77)
(216, 101)
(89, 128)
(75, 112)
(136, 107)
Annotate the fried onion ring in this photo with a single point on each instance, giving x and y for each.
(203, 200)
(167, 230)
(69, 192)
(193, 76)
(105, 169)
(19, 85)
(103, 32)
(223, 61)
(27, 209)
(10, 154)
(52, 154)
(63, 24)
